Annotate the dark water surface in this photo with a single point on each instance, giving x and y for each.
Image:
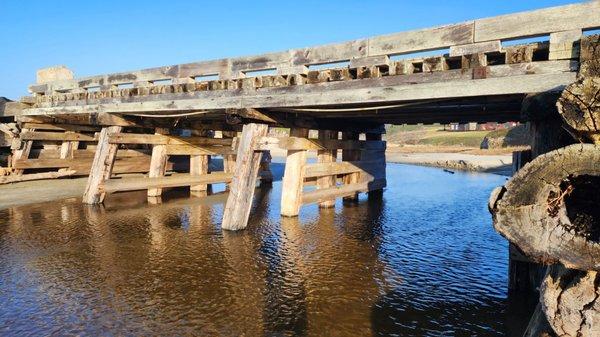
(423, 261)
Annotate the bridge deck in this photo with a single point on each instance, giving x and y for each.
(476, 79)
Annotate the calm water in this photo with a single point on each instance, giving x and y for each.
(423, 261)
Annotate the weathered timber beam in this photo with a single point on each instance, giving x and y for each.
(176, 180)
(299, 143)
(380, 92)
(579, 106)
(345, 190)
(59, 127)
(156, 139)
(9, 108)
(539, 22)
(209, 150)
(344, 167)
(57, 136)
(35, 176)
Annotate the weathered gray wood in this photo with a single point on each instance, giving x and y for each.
(563, 45)
(102, 166)
(299, 143)
(57, 136)
(539, 22)
(475, 48)
(569, 298)
(21, 153)
(380, 92)
(351, 155)
(243, 184)
(579, 106)
(157, 139)
(545, 211)
(293, 177)
(35, 176)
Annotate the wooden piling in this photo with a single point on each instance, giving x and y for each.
(243, 184)
(351, 155)
(158, 163)
(293, 177)
(326, 156)
(102, 166)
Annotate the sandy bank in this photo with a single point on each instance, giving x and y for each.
(497, 164)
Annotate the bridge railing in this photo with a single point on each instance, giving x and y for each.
(562, 24)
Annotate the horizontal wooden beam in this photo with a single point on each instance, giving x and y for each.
(177, 180)
(191, 149)
(344, 167)
(58, 136)
(335, 192)
(155, 139)
(59, 127)
(495, 80)
(298, 143)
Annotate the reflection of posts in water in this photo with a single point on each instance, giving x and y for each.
(344, 240)
(245, 280)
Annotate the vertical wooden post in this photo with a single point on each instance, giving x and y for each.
(243, 184)
(22, 153)
(199, 166)
(266, 176)
(293, 177)
(158, 163)
(66, 150)
(229, 159)
(102, 166)
(376, 155)
(351, 155)
(327, 156)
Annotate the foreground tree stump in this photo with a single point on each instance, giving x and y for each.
(550, 208)
(569, 299)
(579, 105)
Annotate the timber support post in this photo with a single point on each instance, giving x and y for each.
(293, 177)
(351, 155)
(102, 166)
(158, 163)
(327, 156)
(243, 183)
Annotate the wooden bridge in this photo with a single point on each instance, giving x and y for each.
(474, 71)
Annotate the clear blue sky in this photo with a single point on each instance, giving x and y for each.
(95, 37)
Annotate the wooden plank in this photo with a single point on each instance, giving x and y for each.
(157, 139)
(176, 180)
(243, 184)
(187, 149)
(351, 155)
(35, 176)
(58, 136)
(298, 143)
(344, 167)
(325, 157)
(475, 48)
(82, 166)
(422, 40)
(60, 127)
(102, 166)
(158, 163)
(370, 61)
(539, 22)
(293, 177)
(341, 191)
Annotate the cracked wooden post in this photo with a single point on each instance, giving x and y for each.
(327, 156)
(158, 163)
(293, 177)
(243, 184)
(351, 155)
(102, 166)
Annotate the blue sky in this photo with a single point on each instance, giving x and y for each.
(95, 37)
